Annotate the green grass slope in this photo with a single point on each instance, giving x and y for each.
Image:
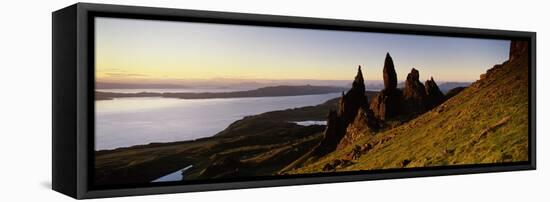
(485, 123)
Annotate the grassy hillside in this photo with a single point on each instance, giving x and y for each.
(485, 123)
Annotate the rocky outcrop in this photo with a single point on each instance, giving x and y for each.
(414, 94)
(351, 104)
(419, 98)
(356, 118)
(387, 103)
(332, 135)
(518, 48)
(364, 125)
(434, 96)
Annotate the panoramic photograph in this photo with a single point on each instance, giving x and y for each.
(188, 102)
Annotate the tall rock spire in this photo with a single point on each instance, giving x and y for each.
(359, 82)
(387, 103)
(390, 77)
(348, 107)
(355, 98)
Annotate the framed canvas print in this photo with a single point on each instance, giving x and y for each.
(155, 100)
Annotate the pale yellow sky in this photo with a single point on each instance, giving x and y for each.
(129, 50)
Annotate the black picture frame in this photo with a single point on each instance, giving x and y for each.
(73, 97)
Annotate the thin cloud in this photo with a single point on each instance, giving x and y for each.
(125, 75)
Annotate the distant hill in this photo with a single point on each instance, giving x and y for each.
(447, 86)
(486, 122)
(444, 86)
(109, 85)
(273, 91)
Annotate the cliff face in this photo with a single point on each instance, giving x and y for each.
(518, 48)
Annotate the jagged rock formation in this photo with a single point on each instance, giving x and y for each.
(354, 99)
(416, 98)
(419, 98)
(518, 48)
(355, 118)
(388, 102)
(434, 96)
(349, 106)
(414, 94)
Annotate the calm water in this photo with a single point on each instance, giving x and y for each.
(174, 90)
(174, 176)
(311, 123)
(125, 122)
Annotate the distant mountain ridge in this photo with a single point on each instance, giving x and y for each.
(272, 91)
(110, 85)
(217, 83)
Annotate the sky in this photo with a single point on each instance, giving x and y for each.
(135, 50)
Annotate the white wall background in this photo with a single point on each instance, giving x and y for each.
(25, 109)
